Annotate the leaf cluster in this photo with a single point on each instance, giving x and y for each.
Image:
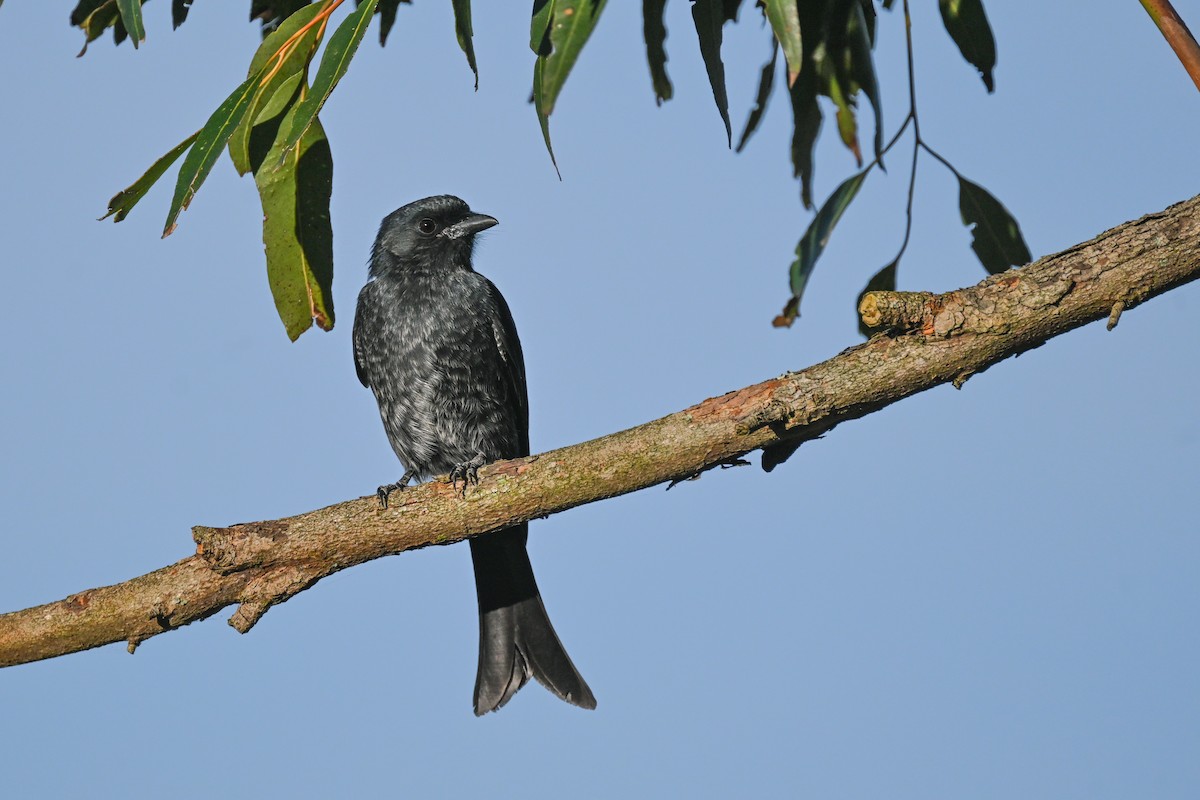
(269, 124)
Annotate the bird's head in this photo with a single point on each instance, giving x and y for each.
(434, 233)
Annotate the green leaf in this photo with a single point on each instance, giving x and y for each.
(539, 27)
(765, 83)
(813, 243)
(655, 32)
(847, 123)
(785, 22)
(209, 143)
(123, 201)
(334, 62)
(179, 12)
(94, 17)
(968, 26)
(882, 281)
(131, 18)
(462, 29)
(297, 234)
(860, 68)
(806, 124)
(275, 73)
(869, 16)
(996, 237)
(570, 23)
(709, 16)
(387, 18)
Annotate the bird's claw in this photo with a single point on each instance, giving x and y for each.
(384, 491)
(468, 473)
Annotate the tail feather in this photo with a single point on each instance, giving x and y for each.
(516, 639)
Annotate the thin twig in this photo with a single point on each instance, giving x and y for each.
(1176, 32)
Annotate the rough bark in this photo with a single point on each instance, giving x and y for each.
(928, 340)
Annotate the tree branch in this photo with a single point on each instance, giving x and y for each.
(1176, 32)
(931, 340)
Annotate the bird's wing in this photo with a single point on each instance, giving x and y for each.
(505, 331)
(360, 336)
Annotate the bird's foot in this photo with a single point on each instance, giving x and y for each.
(383, 491)
(468, 473)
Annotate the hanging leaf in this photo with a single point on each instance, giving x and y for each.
(539, 27)
(462, 29)
(806, 124)
(869, 16)
(968, 26)
(709, 16)
(334, 62)
(860, 69)
(123, 201)
(179, 12)
(285, 53)
(996, 238)
(131, 19)
(94, 17)
(766, 82)
(567, 26)
(209, 143)
(882, 281)
(813, 243)
(387, 17)
(785, 22)
(655, 33)
(297, 233)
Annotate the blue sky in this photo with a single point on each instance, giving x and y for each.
(984, 593)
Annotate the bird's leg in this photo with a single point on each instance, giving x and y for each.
(467, 472)
(383, 491)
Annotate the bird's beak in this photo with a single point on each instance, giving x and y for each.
(474, 223)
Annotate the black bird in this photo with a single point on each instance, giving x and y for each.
(436, 343)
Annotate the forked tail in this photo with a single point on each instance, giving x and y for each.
(516, 639)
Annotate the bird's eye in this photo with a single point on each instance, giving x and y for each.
(427, 226)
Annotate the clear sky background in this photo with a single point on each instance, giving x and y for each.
(989, 593)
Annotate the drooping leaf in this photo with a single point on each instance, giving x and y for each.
(94, 17)
(539, 27)
(882, 281)
(119, 32)
(996, 238)
(655, 32)
(131, 19)
(806, 124)
(569, 24)
(785, 22)
(123, 201)
(813, 243)
(869, 16)
(765, 83)
(860, 69)
(968, 26)
(179, 11)
(285, 52)
(462, 29)
(709, 16)
(209, 143)
(295, 188)
(387, 18)
(847, 122)
(334, 62)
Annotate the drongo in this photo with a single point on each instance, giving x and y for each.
(436, 343)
